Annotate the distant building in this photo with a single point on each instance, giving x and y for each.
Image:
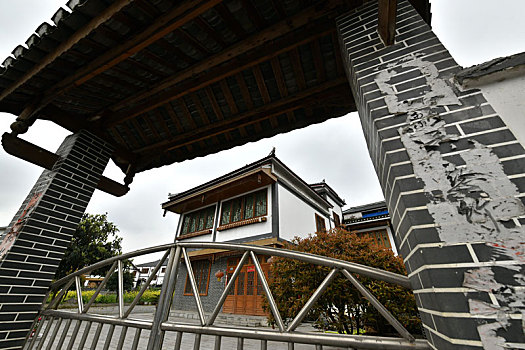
(92, 281)
(373, 220)
(143, 271)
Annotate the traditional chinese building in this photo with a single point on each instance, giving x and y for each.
(262, 203)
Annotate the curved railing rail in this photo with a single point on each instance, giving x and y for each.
(53, 329)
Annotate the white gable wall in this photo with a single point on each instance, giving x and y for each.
(337, 209)
(507, 97)
(296, 218)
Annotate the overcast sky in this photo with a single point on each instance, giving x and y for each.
(474, 31)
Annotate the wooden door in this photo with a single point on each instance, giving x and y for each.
(229, 303)
(246, 297)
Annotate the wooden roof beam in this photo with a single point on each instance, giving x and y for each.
(190, 40)
(230, 21)
(174, 118)
(244, 90)
(225, 89)
(210, 31)
(72, 124)
(252, 115)
(318, 61)
(279, 8)
(214, 104)
(164, 25)
(187, 114)
(298, 68)
(195, 98)
(279, 77)
(386, 24)
(257, 40)
(42, 157)
(259, 78)
(162, 122)
(261, 85)
(269, 114)
(140, 131)
(219, 73)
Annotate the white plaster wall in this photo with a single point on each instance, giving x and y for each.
(337, 209)
(296, 218)
(508, 99)
(248, 230)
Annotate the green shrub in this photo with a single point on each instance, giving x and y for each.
(149, 296)
(106, 299)
(129, 296)
(86, 295)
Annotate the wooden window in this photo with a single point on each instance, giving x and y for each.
(319, 223)
(201, 270)
(337, 221)
(144, 270)
(380, 238)
(248, 206)
(198, 220)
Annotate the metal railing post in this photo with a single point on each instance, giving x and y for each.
(168, 286)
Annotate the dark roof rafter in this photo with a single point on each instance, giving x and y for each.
(219, 72)
(162, 26)
(249, 117)
(165, 81)
(68, 44)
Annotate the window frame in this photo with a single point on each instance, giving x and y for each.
(319, 219)
(380, 236)
(197, 214)
(337, 219)
(231, 201)
(188, 283)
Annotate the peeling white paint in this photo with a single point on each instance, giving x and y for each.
(476, 201)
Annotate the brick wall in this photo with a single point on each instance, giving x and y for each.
(449, 168)
(215, 289)
(41, 230)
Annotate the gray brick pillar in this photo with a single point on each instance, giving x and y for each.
(450, 172)
(41, 230)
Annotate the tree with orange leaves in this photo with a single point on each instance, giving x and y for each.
(342, 308)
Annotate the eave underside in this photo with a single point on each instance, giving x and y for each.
(165, 83)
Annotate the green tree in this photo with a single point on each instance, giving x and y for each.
(94, 240)
(341, 307)
(127, 280)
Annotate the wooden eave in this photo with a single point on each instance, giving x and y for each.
(249, 181)
(168, 81)
(268, 242)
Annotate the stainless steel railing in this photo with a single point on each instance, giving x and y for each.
(79, 329)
